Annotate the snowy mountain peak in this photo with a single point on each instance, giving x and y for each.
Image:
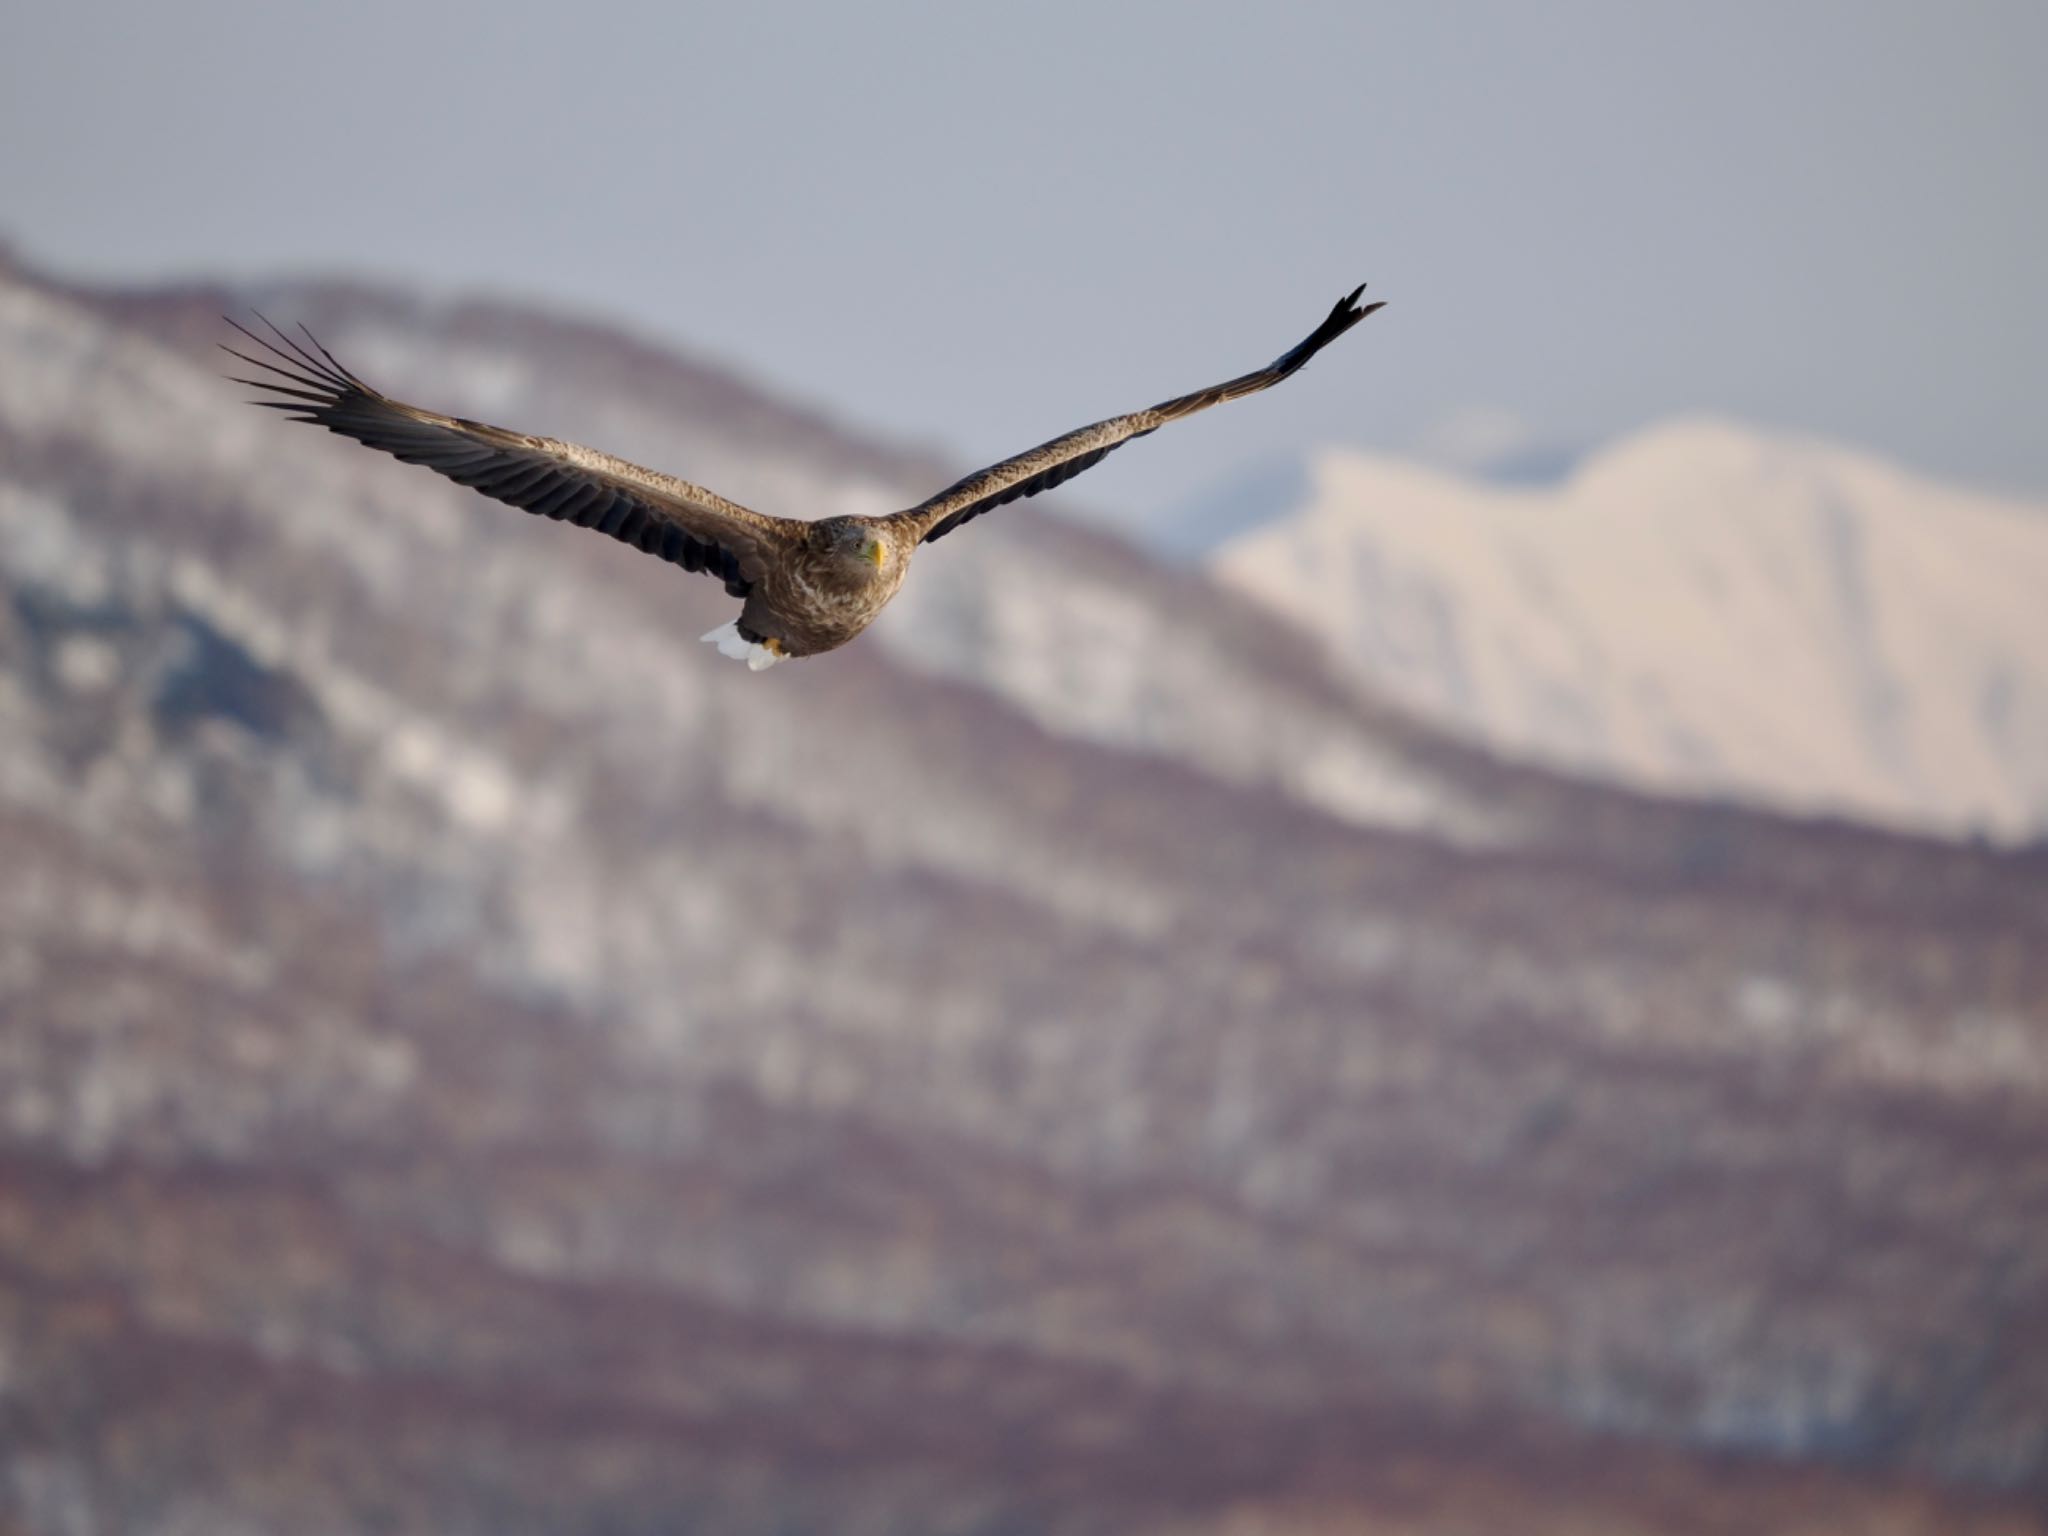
(1688, 444)
(1703, 606)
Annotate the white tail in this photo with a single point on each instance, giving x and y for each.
(731, 642)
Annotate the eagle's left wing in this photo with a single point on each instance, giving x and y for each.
(1054, 463)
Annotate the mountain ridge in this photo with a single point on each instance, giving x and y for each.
(476, 1060)
(1702, 608)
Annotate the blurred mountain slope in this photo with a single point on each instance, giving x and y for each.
(473, 1059)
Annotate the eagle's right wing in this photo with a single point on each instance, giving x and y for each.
(683, 523)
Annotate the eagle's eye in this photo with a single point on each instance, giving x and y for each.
(854, 542)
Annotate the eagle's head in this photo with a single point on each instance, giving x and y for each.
(859, 548)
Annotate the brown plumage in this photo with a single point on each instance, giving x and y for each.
(808, 586)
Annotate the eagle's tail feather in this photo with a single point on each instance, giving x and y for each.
(731, 642)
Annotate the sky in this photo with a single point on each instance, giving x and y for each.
(971, 227)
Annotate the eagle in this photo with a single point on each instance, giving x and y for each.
(806, 586)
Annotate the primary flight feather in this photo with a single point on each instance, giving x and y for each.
(808, 587)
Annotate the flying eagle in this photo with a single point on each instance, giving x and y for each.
(807, 587)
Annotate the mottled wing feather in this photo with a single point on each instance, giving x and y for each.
(1055, 462)
(659, 514)
(1047, 465)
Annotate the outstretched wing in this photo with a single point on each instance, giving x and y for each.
(1054, 463)
(683, 523)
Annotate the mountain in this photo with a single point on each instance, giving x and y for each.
(471, 1059)
(1190, 530)
(1703, 608)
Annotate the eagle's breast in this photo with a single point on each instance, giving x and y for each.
(816, 603)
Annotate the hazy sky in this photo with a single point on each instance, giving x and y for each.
(974, 226)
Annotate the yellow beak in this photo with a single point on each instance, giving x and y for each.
(874, 552)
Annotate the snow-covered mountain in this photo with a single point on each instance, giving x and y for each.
(1703, 607)
(471, 1059)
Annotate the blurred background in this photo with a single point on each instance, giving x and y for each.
(1461, 946)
